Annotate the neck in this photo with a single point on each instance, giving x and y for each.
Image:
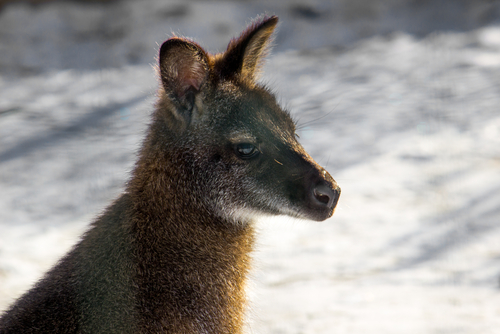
(192, 265)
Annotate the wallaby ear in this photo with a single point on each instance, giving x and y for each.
(183, 70)
(244, 55)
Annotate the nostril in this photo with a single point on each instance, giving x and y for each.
(321, 196)
(324, 195)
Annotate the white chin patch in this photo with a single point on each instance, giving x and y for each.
(247, 215)
(244, 215)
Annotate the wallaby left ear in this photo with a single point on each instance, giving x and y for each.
(244, 55)
(183, 71)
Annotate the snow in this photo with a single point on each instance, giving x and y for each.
(406, 121)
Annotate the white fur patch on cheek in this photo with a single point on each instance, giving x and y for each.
(233, 200)
(244, 215)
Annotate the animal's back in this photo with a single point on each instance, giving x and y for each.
(90, 290)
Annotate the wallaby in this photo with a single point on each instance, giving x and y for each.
(172, 253)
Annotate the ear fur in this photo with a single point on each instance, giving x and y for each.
(183, 70)
(244, 55)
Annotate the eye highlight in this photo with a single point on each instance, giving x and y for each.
(246, 150)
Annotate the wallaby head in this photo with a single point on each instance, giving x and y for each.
(236, 144)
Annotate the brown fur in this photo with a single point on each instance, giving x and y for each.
(171, 255)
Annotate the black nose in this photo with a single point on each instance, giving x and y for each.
(325, 196)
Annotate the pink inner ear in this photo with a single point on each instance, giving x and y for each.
(190, 75)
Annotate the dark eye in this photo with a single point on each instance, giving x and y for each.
(246, 151)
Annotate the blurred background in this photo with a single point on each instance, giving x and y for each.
(398, 99)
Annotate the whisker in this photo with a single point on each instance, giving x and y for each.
(301, 126)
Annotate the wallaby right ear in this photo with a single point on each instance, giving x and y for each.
(183, 70)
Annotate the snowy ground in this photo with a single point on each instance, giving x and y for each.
(409, 127)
